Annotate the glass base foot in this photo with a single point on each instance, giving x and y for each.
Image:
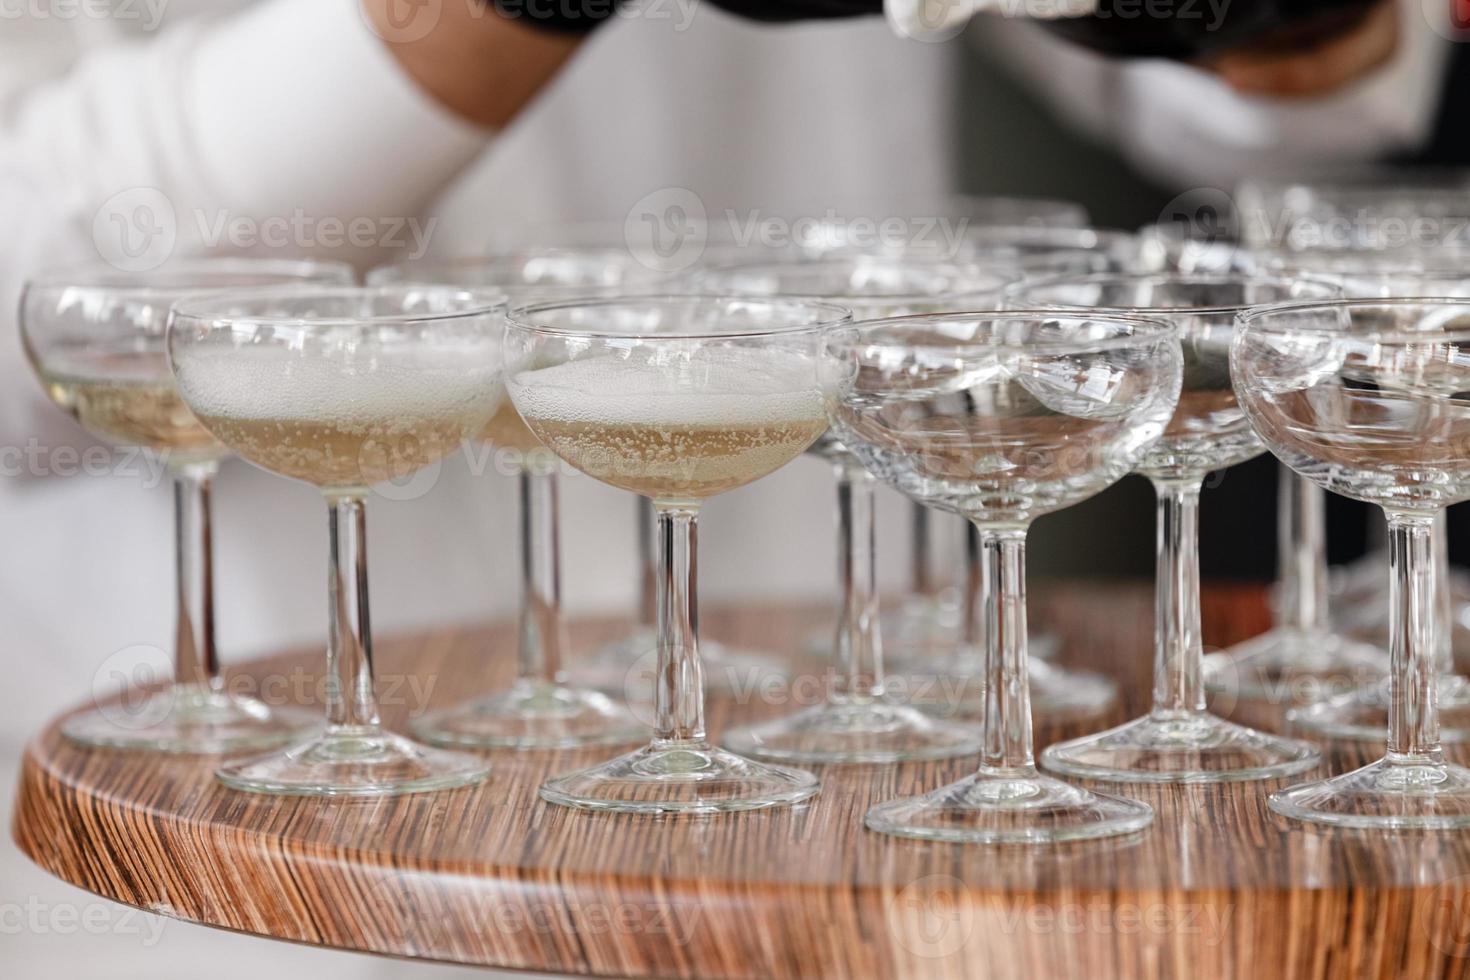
(624, 669)
(923, 626)
(354, 762)
(874, 732)
(1192, 747)
(943, 658)
(1403, 794)
(531, 716)
(680, 777)
(1021, 808)
(187, 718)
(1362, 715)
(1287, 666)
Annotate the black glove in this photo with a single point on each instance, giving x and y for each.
(787, 10)
(582, 16)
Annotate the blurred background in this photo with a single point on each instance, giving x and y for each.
(214, 117)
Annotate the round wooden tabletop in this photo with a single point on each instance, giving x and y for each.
(1217, 887)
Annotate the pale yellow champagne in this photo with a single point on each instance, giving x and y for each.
(128, 398)
(507, 430)
(342, 427)
(678, 430)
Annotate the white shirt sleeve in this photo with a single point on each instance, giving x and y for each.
(287, 127)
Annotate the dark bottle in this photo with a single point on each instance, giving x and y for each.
(1188, 30)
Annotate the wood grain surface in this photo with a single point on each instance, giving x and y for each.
(1217, 887)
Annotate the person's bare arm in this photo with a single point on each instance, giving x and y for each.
(478, 64)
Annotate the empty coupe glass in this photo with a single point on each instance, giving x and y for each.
(1366, 398)
(1341, 686)
(1003, 417)
(1179, 740)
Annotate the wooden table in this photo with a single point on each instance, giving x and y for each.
(1217, 887)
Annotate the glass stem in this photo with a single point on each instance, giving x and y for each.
(542, 638)
(679, 685)
(351, 704)
(1301, 540)
(1414, 641)
(975, 586)
(196, 663)
(859, 646)
(648, 573)
(1006, 750)
(1178, 655)
(923, 581)
(1439, 534)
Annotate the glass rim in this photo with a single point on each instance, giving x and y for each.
(994, 237)
(835, 259)
(517, 317)
(195, 306)
(1020, 289)
(1257, 318)
(508, 258)
(1154, 329)
(1365, 262)
(104, 277)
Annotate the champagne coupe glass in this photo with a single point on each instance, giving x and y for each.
(931, 623)
(1179, 740)
(1031, 236)
(541, 709)
(856, 721)
(1373, 222)
(1003, 417)
(1054, 251)
(676, 398)
(1361, 711)
(343, 388)
(1359, 599)
(1366, 398)
(1302, 658)
(585, 260)
(933, 226)
(95, 337)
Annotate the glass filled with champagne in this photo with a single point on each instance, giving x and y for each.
(95, 337)
(344, 388)
(674, 398)
(544, 707)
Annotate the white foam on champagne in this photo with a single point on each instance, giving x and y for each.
(660, 388)
(269, 383)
